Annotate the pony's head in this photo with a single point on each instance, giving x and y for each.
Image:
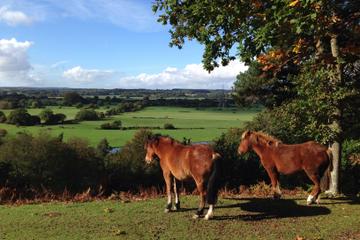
(150, 148)
(248, 139)
(245, 143)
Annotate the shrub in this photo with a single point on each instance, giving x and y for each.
(114, 125)
(49, 117)
(2, 117)
(46, 161)
(87, 115)
(350, 166)
(280, 124)
(58, 118)
(124, 107)
(71, 98)
(46, 115)
(101, 115)
(169, 126)
(127, 169)
(3, 132)
(7, 104)
(237, 170)
(23, 118)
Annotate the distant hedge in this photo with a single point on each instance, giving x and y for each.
(113, 125)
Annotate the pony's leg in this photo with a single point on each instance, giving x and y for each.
(209, 213)
(176, 193)
(201, 189)
(314, 195)
(275, 185)
(167, 177)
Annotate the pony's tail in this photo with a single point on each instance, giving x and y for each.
(326, 178)
(212, 185)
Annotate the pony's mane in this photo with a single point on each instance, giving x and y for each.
(156, 138)
(266, 137)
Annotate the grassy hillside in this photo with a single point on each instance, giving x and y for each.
(243, 218)
(199, 125)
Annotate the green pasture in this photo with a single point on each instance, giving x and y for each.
(199, 125)
(235, 218)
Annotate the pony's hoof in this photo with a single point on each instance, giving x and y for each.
(195, 216)
(310, 200)
(208, 217)
(176, 207)
(166, 210)
(329, 194)
(317, 201)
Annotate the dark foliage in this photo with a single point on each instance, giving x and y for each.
(44, 161)
(169, 126)
(72, 98)
(22, 118)
(237, 170)
(2, 117)
(113, 125)
(127, 169)
(87, 115)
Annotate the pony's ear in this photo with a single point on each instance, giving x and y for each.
(245, 134)
(254, 138)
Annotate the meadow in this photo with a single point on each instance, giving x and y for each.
(235, 218)
(198, 125)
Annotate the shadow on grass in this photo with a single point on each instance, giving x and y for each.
(259, 209)
(342, 200)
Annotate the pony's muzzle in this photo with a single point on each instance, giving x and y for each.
(148, 159)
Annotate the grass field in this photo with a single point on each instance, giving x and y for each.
(235, 218)
(188, 121)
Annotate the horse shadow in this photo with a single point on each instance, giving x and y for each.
(259, 209)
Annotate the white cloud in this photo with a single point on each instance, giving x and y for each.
(14, 18)
(15, 68)
(192, 76)
(81, 75)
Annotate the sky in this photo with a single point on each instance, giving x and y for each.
(98, 44)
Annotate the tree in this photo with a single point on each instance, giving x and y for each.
(277, 34)
(22, 117)
(46, 115)
(87, 115)
(2, 117)
(72, 98)
(58, 118)
(103, 147)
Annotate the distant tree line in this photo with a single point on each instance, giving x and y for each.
(182, 98)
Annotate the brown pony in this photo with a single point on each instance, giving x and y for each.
(183, 162)
(277, 157)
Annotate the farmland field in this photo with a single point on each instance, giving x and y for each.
(199, 125)
(235, 218)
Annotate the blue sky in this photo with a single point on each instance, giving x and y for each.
(97, 43)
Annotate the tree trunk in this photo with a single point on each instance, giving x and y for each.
(336, 124)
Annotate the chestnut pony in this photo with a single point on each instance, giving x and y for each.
(184, 162)
(276, 157)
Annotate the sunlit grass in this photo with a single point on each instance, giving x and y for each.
(244, 218)
(198, 125)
